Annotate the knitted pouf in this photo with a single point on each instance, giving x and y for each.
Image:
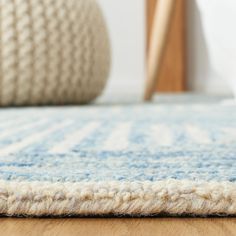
(52, 52)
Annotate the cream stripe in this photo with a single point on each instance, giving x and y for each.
(197, 134)
(229, 135)
(25, 117)
(14, 130)
(12, 121)
(73, 139)
(31, 139)
(119, 138)
(161, 135)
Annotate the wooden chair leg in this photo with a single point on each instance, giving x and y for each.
(161, 24)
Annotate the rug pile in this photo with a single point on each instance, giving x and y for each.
(132, 159)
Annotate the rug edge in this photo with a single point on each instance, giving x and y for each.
(175, 197)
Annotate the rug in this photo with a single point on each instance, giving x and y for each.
(173, 158)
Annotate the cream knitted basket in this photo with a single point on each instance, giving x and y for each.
(52, 52)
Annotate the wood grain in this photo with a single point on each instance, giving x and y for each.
(158, 42)
(118, 226)
(172, 77)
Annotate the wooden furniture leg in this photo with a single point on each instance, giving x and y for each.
(161, 24)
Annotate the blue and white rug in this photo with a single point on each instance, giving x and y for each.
(132, 159)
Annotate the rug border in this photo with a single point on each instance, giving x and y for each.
(174, 197)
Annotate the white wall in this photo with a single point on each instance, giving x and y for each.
(126, 24)
(212, 45)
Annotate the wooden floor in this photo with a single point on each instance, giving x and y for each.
(114, 226)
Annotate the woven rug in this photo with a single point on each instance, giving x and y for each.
(134, 159)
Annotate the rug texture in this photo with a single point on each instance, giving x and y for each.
(132, 159)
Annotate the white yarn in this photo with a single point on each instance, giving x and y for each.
(52, 51)
(134, 198)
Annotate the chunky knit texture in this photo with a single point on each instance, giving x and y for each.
(136, 159)
(52, 51)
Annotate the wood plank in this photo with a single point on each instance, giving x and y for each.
(172, 76)
(118, 226)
